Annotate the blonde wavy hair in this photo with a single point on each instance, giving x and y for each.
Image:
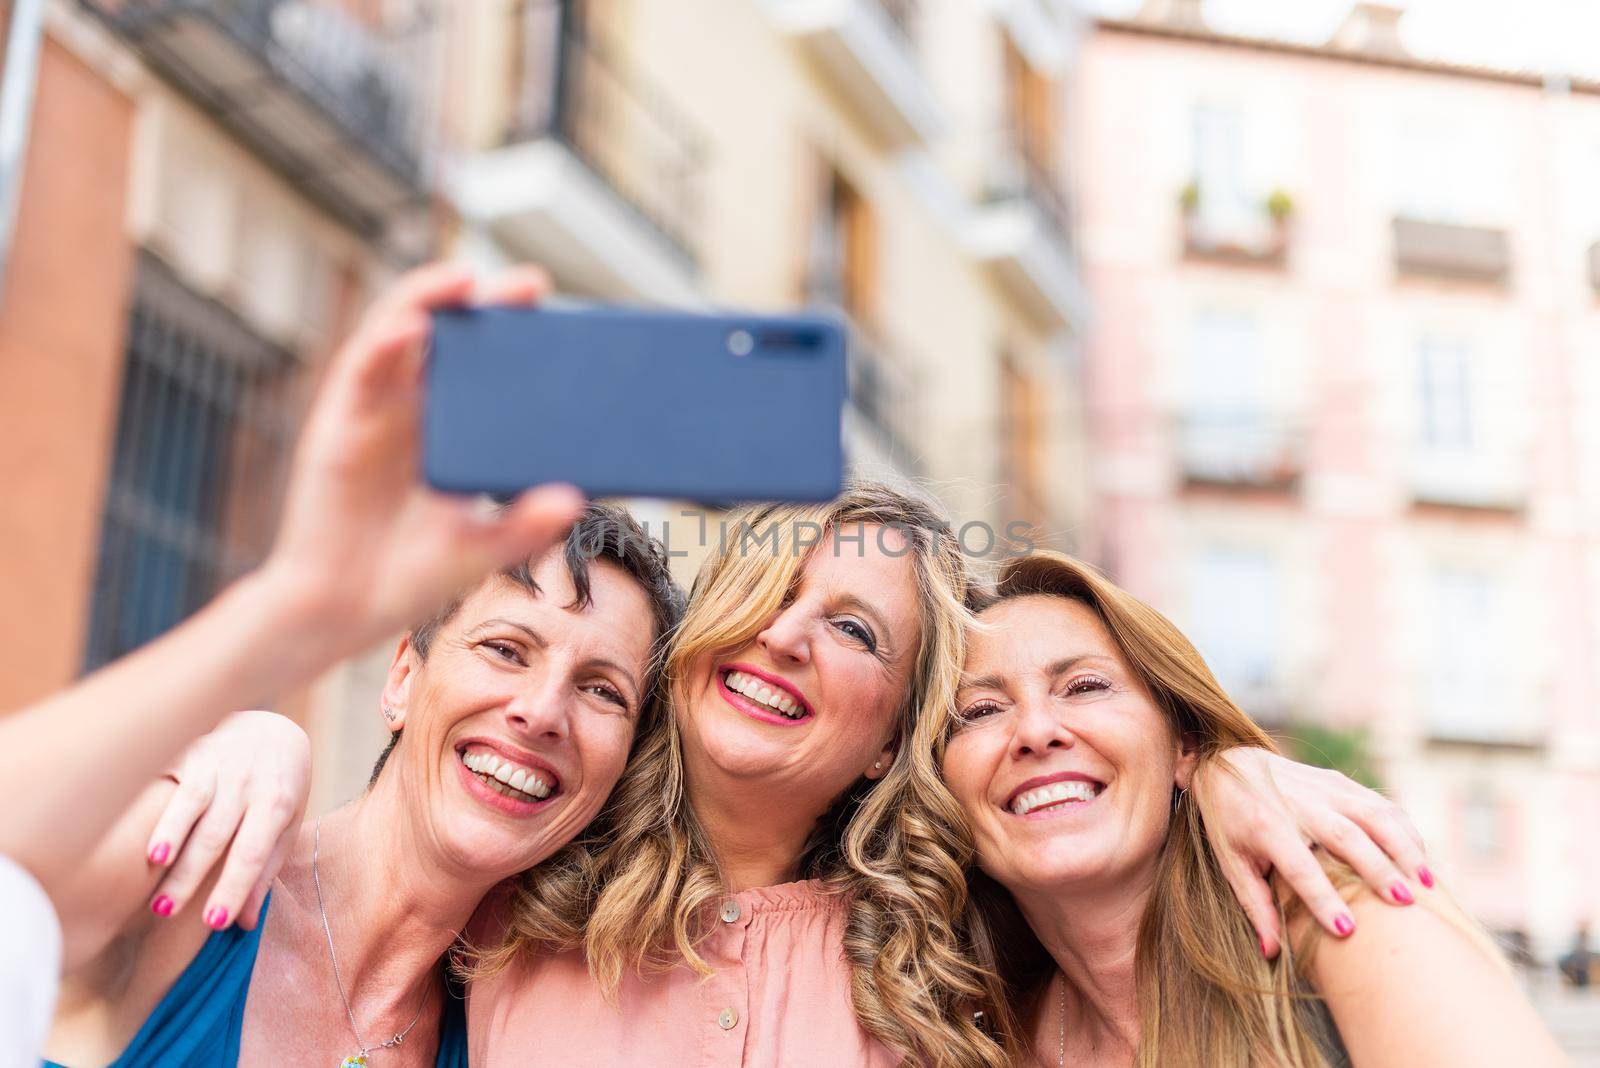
(1206, 994)
(641, 894)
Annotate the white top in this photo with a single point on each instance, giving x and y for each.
(30, 966)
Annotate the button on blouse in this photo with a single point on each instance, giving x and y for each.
(780, 994)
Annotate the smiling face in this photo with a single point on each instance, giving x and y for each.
(519, 721)
(809, 704)
(1061, 760)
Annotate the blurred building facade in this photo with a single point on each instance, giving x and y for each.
(213, 190)
(1344, 413)
(210, 194)
(893, 162)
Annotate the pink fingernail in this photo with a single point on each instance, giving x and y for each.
(160, 852)
(1263, 941)
(216, 918)
(1344, 925)
(162, 905)
(1401, 894)
(1426, 876)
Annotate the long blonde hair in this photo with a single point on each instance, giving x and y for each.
(895, 849)
(1206, 994)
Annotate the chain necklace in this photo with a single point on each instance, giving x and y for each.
(1061, 1036)
(357, 1059)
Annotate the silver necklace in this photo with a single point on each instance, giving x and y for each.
(357, 1059)
(1061, 1036)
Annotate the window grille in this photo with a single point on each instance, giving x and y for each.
(204, 429)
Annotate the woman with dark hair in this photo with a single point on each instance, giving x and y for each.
(514, 709)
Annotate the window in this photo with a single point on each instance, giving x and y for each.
(1235, 612)
(1031, 112)
(203, 433)
(1229, 433)
(1450, 173)
(1444, 378)
(1483, 824)
(843, 250)
(1022, 440)
(1219, 165)
(1467, 695)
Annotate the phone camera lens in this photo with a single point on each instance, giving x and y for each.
(740, 343)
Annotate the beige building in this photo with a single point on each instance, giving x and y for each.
(237, 179)
(898, 163)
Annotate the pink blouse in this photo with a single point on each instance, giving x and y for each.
(780, 995)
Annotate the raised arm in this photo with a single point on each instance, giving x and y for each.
(1265, 813)
(364, 548)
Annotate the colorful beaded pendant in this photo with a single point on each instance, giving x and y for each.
(358, 1060)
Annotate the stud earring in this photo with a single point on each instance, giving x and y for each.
(388, 713)
(877, 765)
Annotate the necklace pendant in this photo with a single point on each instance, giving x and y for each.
(355, 1060)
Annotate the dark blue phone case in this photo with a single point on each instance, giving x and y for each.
(625, 403)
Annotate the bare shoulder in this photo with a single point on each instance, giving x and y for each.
(1401, 985)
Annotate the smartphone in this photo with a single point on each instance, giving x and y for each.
(716, 409)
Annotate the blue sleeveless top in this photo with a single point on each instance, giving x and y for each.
(199, 1021)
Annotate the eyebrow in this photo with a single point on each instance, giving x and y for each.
(538, 640)
(500, 621)
(994, 681)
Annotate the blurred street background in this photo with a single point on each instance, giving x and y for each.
(1286, 315)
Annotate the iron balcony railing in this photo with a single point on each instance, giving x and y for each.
(883, 391)
(306, 82)
(1451, 250)
(1239, 447)
(1017, 174)
(571, 86)
(902, 15)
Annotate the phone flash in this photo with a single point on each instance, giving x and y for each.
(740, 343)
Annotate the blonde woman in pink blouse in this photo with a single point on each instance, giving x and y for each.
(780, 876)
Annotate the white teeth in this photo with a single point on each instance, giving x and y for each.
(1054, 793)
(772, 697)
(507, 778)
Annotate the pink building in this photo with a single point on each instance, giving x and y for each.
(1344, 398)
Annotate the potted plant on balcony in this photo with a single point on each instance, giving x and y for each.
(1279, 205)
(1189, 198)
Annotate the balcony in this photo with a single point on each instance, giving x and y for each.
(880, 417)
(1477, 480)
(866, 48)
(1023, 230)
(1239, 450)
(335, 105)
(598, 176)
(1451, 250)
(1243, 232)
